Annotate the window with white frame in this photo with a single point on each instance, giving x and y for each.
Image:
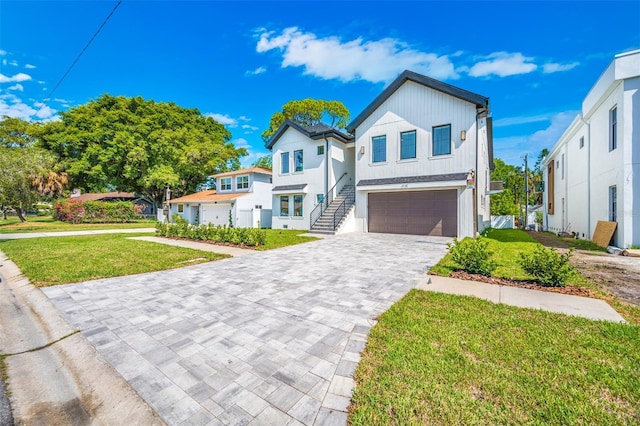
(408, 145)
(442, 140)
(379, 149)
(225, 184)
(284, 205)
(242, 182)
(284, 162)
(613, 128)
(298, 161)
(297, 205)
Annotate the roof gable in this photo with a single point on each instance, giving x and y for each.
(315, 132)
(481, 102)
(251, 170)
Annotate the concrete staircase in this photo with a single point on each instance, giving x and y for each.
(325, 223)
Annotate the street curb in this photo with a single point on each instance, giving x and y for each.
(54, 374)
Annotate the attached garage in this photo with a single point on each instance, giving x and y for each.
(432, 212)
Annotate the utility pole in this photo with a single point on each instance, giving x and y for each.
(526, 191)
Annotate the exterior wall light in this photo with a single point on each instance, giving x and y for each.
(362, 150)
(463, 135)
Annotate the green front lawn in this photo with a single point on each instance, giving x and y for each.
(47, 224)
(506, 245)
(284, 237)
(443, 359)
(58, 260)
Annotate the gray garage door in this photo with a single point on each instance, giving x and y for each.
(416, 212)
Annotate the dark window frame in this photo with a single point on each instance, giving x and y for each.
(613, 128)
(380, 139)
(284, 199)
(320, 150)
(297, 168)
(284, 161)
(415, 145)
(434, 129)
(613, 203)
(298, 204)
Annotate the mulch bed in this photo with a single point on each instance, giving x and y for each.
(215, 243)
(569, 289)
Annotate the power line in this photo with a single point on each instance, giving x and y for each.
(48, 98)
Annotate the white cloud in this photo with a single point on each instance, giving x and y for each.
(19, 87)
(41, 82)
(512, 149)
(514, 121)
(503, 64)
(3, 52)
(241, 143)
(13, 63)
(29, 66)
(249, 127)
(223, 119)
(331, 58)
(555, 67)
(12, 106)
(16, 78)
(257, 71)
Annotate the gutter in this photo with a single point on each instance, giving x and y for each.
(588, 124)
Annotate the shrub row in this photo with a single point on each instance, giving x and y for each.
(241, 236)
(96, 211)
(547, 266)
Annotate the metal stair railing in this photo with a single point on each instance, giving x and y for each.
(327, 199)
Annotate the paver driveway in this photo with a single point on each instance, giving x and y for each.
(269, 338)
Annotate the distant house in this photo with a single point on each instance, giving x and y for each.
(415, 161)
(593, 171)
(242, 199)
(149, 208)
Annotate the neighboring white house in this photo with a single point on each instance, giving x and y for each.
(307, 164)
(420, 162)
(242, 200)
(593, 171)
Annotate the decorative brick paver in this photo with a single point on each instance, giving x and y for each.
(271, 338)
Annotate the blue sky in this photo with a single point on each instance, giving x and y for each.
(241, 61)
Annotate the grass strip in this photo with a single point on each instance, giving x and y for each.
(443, 359)
(59, 260)
(47, 224)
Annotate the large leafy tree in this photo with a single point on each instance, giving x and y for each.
(507, 202)
(308, 112)
(17, 133)
(133, 144)
(266, 162)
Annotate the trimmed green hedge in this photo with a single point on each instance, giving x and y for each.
(241, 236)
(96, 211)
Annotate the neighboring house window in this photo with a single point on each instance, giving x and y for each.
(320, 149)
(298, 160)
(284, 205)
(225, 184)
(613, 128)
(242, 182)
(297, 205)
(284, 159)
(379, 149)
(581, 142)
(180, 208)
(613, 203)
(408, 145)
(550, 187)
(442, 140)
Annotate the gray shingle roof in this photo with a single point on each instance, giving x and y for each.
(414, 179)
(289, 187)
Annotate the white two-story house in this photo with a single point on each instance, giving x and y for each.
(593, 171)
(311, 166)
(423, 156)
(242, 199)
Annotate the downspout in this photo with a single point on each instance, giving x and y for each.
(326, 164)
(474, 191)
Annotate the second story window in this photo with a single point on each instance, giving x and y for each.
(379, 149)
(442, 140)
(225, 184)
(284, 162)
(613, 128)
(298, 161)
(242, 182)
(408, 145)
(320, 149)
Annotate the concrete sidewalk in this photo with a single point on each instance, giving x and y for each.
(55, 376)
(19, 236)
(586, 307)
(214, 248)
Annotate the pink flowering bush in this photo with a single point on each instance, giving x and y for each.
(96, 211)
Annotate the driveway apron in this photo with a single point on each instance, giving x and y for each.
(271, 338)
